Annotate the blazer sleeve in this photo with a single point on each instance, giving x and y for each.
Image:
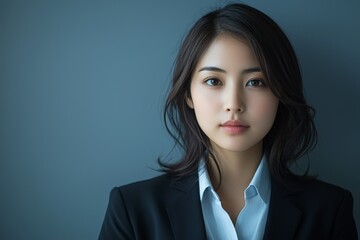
(116, 224)
(344, 226)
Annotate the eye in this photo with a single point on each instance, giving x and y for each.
(213, 82)
(255, 83)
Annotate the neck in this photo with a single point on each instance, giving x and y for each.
(237, 168)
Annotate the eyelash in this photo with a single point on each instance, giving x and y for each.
(206, 81)
(260, 82)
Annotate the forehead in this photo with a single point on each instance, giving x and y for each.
(226, 50)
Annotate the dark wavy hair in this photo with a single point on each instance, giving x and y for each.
(293, 133)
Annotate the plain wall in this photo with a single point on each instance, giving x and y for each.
(82, 85)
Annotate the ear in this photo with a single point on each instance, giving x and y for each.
(189, 102)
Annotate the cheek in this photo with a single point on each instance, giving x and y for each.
(266, 109)
(202, 108)
(205, 104)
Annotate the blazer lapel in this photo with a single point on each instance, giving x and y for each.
(184, 209)
(283, 217)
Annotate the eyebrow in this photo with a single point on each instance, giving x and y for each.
(245, 71)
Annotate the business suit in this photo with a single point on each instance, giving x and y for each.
(169, 208)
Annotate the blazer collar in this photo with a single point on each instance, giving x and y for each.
(283, 217)
(184, 208)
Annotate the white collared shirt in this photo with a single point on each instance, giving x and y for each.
(251, 221)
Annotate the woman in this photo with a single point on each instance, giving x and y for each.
(236, 107)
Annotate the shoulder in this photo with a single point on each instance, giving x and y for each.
(133, 207)
(157, 190)
(326, 206)
(319, 197)
(146, 198)
(135, 202)
(320, 191)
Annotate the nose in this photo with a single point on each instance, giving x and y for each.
(234, 101)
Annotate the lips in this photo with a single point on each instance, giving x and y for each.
(234, 127)
(234, 123)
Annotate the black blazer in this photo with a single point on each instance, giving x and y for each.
(167, 208)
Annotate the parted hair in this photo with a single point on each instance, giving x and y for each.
(293, 133)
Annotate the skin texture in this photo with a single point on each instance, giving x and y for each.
(235, 90)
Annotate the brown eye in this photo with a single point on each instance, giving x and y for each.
(255, 83)
(213, 82)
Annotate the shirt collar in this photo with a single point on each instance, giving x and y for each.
(260, 183)
(204, 179)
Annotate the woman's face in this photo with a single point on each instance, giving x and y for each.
(233, 104)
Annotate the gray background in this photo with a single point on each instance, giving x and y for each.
(81, 91)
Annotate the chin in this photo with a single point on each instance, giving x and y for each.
(233, 146)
